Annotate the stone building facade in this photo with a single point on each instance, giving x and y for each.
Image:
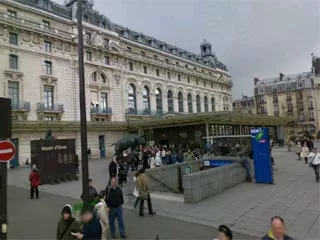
(127, 74)
(293, 95)
(245, 105)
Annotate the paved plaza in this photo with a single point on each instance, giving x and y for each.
(247, 208)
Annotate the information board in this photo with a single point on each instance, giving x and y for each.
(262, 155)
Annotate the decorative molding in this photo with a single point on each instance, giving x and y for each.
(13, 75)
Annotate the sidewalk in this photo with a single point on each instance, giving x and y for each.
(247, 208)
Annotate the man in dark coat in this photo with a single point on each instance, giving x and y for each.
(91, 226)
(277, 231)
(113, 168)
(93, 194)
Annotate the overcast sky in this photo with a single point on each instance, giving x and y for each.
(254, 38)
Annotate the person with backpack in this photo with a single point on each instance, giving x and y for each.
(67, 224)
(101, 212)
(114, 200)
(34, 179)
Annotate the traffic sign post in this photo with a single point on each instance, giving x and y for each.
(7, 153)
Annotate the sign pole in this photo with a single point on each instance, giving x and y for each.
(5, 132)
(83, 114)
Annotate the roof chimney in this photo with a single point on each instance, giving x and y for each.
(281, 76)
(256, 80)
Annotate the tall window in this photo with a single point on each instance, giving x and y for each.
(190, 103)
(130, 66)
(13, 62)
(13, 92)
(89, 56)
(145, 69)
(104, 101)
(213, 105)
(198, 103)
(48, 65)
(188, 79)
(197, 81)
(168, 75)
(132, 97)
(206, 107)
(180, 102)
(13, 38)
(47, 46)
(106, 60)
(179, 77)
(159, 100)
(48, 97)
(12, 14)
(157, 73)
(146, 98)
(170, 101)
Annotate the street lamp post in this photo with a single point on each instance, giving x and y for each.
(83, 117)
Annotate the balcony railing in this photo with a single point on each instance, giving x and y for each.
(33, 25)
(21, 106)
(132, 111)
(55, 108)
(99, 110)
(276, 113)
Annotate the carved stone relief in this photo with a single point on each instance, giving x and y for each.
(26, 37)
(59, 45)
(67, 47)
(35, 39)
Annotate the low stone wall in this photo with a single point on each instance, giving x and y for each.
(167, 178)
(200, 185)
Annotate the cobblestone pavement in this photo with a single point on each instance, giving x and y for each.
(247, 208)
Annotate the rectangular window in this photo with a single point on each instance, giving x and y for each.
(197, 81)
(188, 79)
(89, 56)
(130, 66)
(177, 63)
(48, 119)
(145, 69)
(48, 67)
(106, 60)
(13, 38)
(186, 66)
(106, 43)
(167, 60)
(204, 83)
(13, 93)
(104, 101)
(46, 24)
(155, 57)
(143, 53)
(47, 46)
(129, 49)
(157, 72)
(48, 97)
(179, 77)
(13, 62)
(168, 74)
(12, 14)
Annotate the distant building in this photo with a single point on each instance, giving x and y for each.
(293, 95)
(245, 105)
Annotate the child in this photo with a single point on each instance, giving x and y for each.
(34, 182)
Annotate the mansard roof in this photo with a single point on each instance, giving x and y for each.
(95, 18)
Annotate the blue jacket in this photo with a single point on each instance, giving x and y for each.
(92, 229)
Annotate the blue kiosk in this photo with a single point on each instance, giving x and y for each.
(262, 155)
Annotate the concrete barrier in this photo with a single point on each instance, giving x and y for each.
(200, 185)
(167, 178)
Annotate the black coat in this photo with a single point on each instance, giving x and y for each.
(92, 230)
(112, 169)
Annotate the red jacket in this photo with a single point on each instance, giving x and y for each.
(34, 179)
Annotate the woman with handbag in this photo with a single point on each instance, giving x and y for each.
(144, 194)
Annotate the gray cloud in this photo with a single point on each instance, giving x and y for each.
(254, 38)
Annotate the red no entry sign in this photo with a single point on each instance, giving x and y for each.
(7, 151)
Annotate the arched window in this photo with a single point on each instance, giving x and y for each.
(206, 107)
(146, 99)
(213, 105)
(170, 101)
(180, 102)
(159, 100)
(132, 98)
(190, 103)
(198, 103)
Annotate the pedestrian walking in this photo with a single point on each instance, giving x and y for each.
(144, 194)
(102, 213)
(135, 190)
(34, 179)
(67, 224)
(305, 152)
(114, 201)
(122, 175)
(113, 168)
(91, 226)
(93, 194)
(89, 154)
(298, 150)
(224, 233)
(278, 230)
(314, 161)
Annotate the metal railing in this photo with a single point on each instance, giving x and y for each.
(132, 111)
(21, 106)
(99, 110)
(42, 107)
